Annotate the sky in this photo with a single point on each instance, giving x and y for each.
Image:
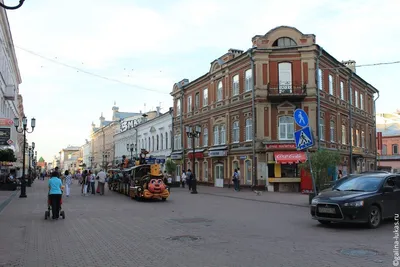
(77, 57)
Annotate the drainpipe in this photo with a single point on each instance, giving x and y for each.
(376, 150)
(350, 121)
(253, 116)
(183, 167)
(317, 80)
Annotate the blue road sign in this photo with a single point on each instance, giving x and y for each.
(301, 118)
(304, 138)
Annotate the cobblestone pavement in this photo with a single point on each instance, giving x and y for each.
(187, 230)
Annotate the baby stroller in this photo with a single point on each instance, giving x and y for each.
(47, 212)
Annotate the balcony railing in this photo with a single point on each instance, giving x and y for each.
(287, 89)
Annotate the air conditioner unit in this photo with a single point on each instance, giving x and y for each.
(9, 92)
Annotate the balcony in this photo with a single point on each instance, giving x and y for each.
(286, 91)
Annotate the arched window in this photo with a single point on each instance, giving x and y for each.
(166, 141)
(158, 142)
(219, 91)
(149, 147)
(249, 130)
(332, 131)
(284, 42)
(286, 128)
(235, 132)
(205, 137)
(223, 135)
(162, 141)
(216, 135)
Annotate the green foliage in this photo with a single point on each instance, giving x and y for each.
(170, 166)
(7, 155)
(321, 160)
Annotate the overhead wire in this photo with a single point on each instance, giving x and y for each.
(364, 65)
(88, 72)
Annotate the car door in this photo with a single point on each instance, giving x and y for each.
(388, 199)
(396, 195)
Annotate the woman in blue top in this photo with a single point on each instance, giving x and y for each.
(55, 194)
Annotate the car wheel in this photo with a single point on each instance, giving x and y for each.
(324, 222)
(374, 217)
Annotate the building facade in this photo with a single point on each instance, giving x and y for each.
(86, 151)
(69, 158)
(152, 132)
(245, 104)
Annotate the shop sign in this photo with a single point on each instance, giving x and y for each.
(221, 153)
(5, 135)
(6, 122)
(197, 155)
(128, 125)
(176, 156)
(280, 146)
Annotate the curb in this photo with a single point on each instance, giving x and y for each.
(259, 200)
(7, 201)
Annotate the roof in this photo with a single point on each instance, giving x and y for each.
(124, 115)
(41, 159)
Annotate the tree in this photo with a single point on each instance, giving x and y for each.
(170, 166)
(321, 161)
(7, 155)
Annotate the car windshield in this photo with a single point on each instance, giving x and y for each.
(362, 184)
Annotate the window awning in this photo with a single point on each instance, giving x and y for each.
(290, 157)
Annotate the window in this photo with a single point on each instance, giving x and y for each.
(249, 130)
(196, 169)
(320, 87)
(223, 135)
(158, 143)
(152, 143)
(235, 85)
(352, 137)
(178, 107)
(248, 171)
(330, 84)
(357, 138)
(370, 141)
(205, 137)
(361, 101)
(216, 135)
(248, 81)
(344, 134)
(235, 132)
(197, 100)
(161, 141)
(219, 171)
(322, 128)
(362, 139)
(284, 42)
(205, 97)
(285, 77)
(177, 140)
(219, 91)
(166, 141)
(178, 170)
(189, 142)
(395, 149)
(384, 150)
(197, 142)
(189, 103)
(205, 171)
(286, 128)
(356, 98)
(351, 96)
(341, 90)
(332, 131)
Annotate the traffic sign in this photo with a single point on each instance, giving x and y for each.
(301, 118)
(303, 138)
(10, 142)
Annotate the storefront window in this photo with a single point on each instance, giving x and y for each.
(205, 171)
(289, 170)
(219, 171)
(248, 171)
(178, 170)
(196, 170)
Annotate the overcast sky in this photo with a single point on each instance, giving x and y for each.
(153, 44)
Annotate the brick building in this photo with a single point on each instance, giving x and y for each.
(288, 68)
(389, 155)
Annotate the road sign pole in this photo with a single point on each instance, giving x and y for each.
(311, 171)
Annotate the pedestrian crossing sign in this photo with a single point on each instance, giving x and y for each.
(303, 138)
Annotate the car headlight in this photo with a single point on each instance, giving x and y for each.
(354, 204)
(314, 201)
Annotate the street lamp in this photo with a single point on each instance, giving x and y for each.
(131, 148)
(91, 162)
(105, 156)
(21, 2)
(24, 130)
(193, 133)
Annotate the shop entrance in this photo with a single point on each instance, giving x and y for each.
(219, 175)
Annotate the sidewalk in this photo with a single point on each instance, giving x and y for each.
(6, 197)
(293, 199)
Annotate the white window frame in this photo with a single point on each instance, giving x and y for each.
(356, 98)
(249, 130)
(222, 131)
(357, 138)
(205, 137)
(235, 132)
(205, 171)
(332, 130)
(189, 104)
(361, 101)
(220, 90)
(395, 147)
(287, 126)
(205, 97)
(330, 84)
(216, 138)
(235, 85)
(320, 83)
(342, 90)
(178, 107)
(248, 78)
(362, 139)
(197, 100)
(285, 76)
(322, 129)
(344, 134)
(217, 170)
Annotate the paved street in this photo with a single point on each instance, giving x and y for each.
(187, 230)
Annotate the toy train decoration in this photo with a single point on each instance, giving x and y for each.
(144, 181)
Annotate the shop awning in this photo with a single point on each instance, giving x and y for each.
(290, 157)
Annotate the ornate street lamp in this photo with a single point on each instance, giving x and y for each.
(193, 133)
(21, 2)
(24, 129)
(91, 162)
(131, 148)
(106, 155)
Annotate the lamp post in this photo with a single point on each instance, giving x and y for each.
(193, 133)
(21, 2)
(91, 162)
(24, 130)
(106, 155)
(131, 148)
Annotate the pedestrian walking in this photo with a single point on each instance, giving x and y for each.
(55, 194)
(235, 179)
(68, 182)
(189, 179)
(92, 182)
(101, 176)
(84, 183)
(183, 181)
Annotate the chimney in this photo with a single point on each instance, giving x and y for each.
(351, 64)
(102, 119)
(158, 111)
